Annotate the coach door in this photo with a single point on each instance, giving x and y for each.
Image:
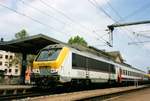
(87, 69)
(119, 75)
(111, 72)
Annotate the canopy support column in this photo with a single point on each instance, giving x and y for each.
(23, 67)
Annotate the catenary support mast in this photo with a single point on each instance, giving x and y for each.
(111, 27)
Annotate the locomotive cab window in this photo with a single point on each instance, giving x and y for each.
(48, 55)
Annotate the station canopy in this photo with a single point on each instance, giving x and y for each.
(28, 45)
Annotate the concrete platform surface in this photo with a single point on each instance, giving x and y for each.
(142, 95)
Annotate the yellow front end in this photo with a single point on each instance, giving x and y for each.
(55, 64)
(47, 71)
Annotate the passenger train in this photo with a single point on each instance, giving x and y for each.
(62, 64)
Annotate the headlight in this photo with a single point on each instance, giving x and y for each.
(36, 71)
(53, 71)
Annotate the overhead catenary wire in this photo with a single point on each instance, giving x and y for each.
(63, 14)
(60, 12)
(112, 17)
(42, 12)
(47, 14)
(71, 20)
(126, 28)
(95, 4)
(118, 22)
(138, 42)
(29, 17)
(114, 10)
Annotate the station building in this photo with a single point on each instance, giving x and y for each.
(6, 65)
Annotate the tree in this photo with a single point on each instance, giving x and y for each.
(18, 57)
(21, 34)
(77, 40)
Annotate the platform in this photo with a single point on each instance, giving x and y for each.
(11, 87)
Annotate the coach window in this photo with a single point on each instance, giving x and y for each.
(131, 73)
(138, 74)
(126, 72)
(123, 72)
(134, 74)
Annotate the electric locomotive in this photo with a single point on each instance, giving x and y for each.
(61, 64)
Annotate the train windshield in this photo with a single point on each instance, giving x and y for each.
(48, 55)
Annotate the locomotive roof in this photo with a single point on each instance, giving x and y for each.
(92, 50)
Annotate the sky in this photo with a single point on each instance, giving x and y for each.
(62, 19)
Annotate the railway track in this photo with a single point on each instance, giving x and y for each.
(34, 93)
(90, 95)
